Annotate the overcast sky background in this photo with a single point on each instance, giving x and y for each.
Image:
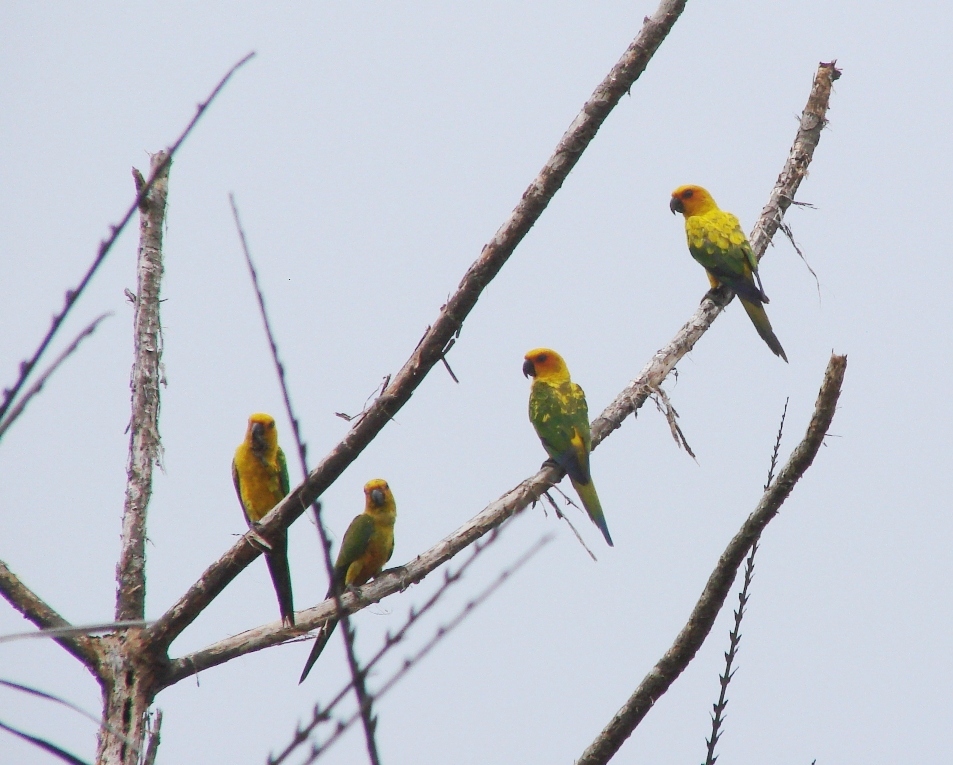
(373, 149)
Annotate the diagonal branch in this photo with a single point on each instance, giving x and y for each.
(37, 386)
(28, 603)
(27, 366)
(144, 444)
(431, 348)
(699, 624)
(813, 120)
(364, 699)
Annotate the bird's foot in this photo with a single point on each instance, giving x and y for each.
(257, 540)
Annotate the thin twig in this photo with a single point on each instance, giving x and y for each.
(357, 674)
(700, 622)
(777, 445)
(28, 603)
(46, 746)
(664, 404)
(450, 577)
(72, 631)
(786, 230)
(17, 410)
(734, 640)
(440, 633)
(734, 636)
(452, 315)
(95, 719)
(562, 516)
(106, 245)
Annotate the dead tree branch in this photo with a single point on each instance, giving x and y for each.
(37, 386)
(430, 349)
(700, 622)
(28, 603)
(364, 699)
(126, 696)
(27, 366)
(813, 120)
(144, 443)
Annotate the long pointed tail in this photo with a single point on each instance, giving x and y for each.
(759, 318)
(277, 561)
(590, 501)
(324, 635)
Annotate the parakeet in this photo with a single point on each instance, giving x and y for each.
(260, 473)
(367, 545)
(558, 411)
(715, 240)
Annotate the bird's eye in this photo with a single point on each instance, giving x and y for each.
(687, 194)
(271, 425)
(542, 358)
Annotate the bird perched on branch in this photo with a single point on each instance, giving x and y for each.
(367, 545)
(558, 411)
(715, 240)
(260, 473)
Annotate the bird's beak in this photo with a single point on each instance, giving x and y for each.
(258, 436)
(377, 497)
(528, 369)
(676, 206)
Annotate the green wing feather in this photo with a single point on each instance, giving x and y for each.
(237, 480)
(353, 546)
(717, 242)
(560, 416)
(283, 479)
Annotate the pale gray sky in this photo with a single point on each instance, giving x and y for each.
(373, 150)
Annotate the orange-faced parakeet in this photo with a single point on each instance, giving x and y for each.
(367, 545)
(558, 411)
(715, 240)
(260, 473)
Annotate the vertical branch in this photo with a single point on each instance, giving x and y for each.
(144, 445)
(364, 699)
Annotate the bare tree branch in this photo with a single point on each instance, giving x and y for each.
(45, 745)
(654, 373)
(409, 663)
(144, 444)
(699, 624)
(364, 699)
(17, 410)
(73, 630)
(106, 245)
(28, 603)
(126, 688)
(431, 348)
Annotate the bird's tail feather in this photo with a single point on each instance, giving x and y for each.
(590, 501)
(277, 561)
(324, 635)
(759, 318)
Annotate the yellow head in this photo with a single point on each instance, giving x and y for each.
(546, 365)
(691, 200)
(378, 499)
(262, 434)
